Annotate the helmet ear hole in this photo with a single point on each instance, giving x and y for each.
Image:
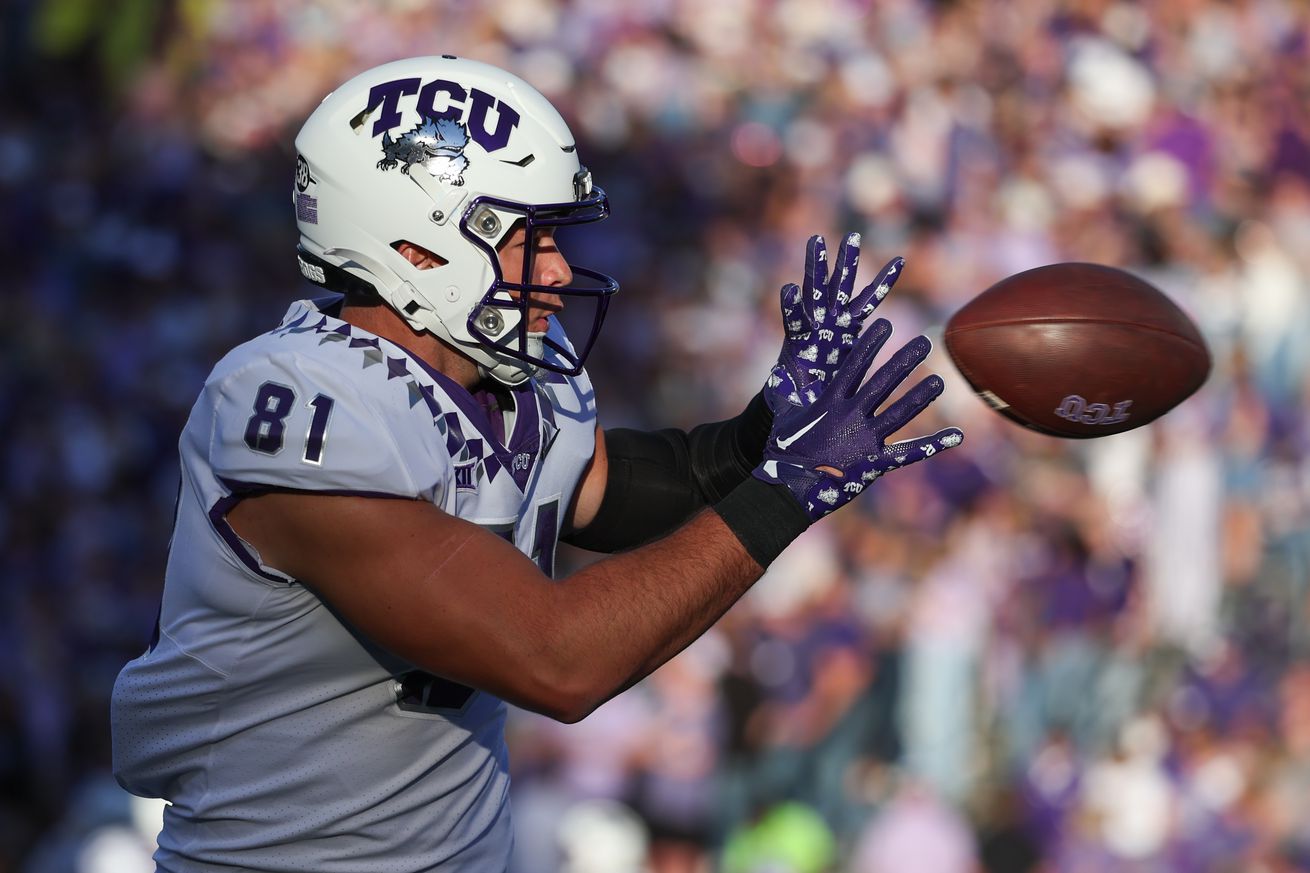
(421, 258)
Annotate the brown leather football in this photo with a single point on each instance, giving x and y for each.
(1077, 350)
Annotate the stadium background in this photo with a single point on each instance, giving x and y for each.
(1027, 655)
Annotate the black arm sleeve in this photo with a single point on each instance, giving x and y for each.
(658, 479)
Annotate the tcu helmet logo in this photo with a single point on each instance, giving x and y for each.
(443, 99)
(437, 145)
(1076, 408)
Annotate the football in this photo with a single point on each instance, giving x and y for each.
(1077, 350)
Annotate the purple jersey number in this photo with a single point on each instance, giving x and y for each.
(266, 427)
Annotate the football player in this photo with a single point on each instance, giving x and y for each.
(360, 570)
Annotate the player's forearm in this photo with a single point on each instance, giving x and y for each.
(654, 481)
(462, 603)
(562, 647)
(621, 618)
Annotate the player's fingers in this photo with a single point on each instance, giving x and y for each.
(816, 277)
(843, 277)
(873, 293)
(895, 371)
(794, 320)
(907, 452)
(852, 370)
(914, 401)
(782, 384)
(867, 469)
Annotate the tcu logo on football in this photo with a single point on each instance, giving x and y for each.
(442, 98)
(1076, 408)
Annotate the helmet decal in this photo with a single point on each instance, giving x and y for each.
(435, 144)
(303, 177)
(306, 204)
(469, 105)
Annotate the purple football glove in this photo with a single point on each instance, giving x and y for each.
(821, 320)
(840, 431)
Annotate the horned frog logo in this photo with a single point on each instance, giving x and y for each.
(436, 144)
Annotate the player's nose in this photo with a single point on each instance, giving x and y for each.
(553, 270)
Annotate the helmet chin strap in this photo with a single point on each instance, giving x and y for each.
(536, 344)
(511, 371)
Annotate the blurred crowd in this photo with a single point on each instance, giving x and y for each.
(1028, 654)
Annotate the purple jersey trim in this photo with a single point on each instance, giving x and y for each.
(329, 304)
(526, 438)
(240, 488)
(218, 518)
(519, 454)
(527, 428)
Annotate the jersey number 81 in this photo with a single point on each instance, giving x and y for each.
(266, 428)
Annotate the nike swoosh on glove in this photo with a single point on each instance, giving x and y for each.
(821, 320)
(842, 430)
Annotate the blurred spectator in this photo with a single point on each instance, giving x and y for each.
(1111, 638)
(916, 831)
(787, 838)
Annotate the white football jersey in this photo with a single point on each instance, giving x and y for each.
(283, 738)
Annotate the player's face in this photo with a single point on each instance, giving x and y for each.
(548, 268)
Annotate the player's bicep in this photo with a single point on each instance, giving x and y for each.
(591, 490)
(446, 595)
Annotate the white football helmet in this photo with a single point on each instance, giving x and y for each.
(448, 154)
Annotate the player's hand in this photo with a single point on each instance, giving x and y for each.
(821, 320)
(828, 452)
